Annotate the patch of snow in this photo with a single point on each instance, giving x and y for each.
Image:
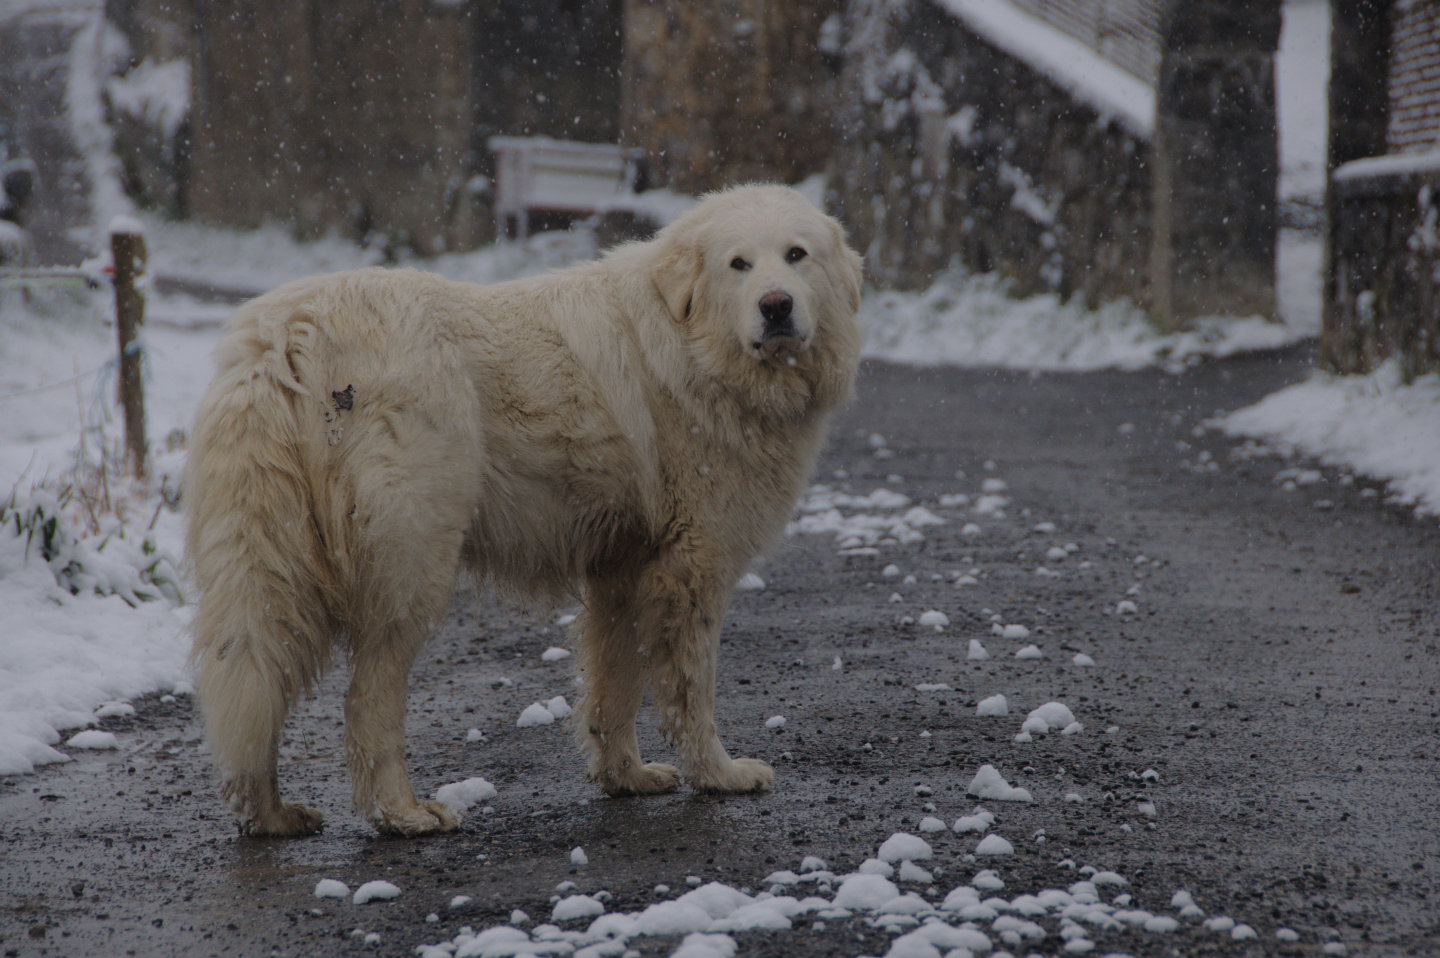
(377, 890)
(989, 783)
(993, 705)
(965, 320)
(994, 846)
(934, 619)
(1373, 424)
(331, 888)
(93, 739)
(535, 714)
(903, 846)
(465, 794)
(576, 906)
(750, 582)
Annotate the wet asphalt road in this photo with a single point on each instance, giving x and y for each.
(1280, 676)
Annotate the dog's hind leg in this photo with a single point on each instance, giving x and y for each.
(405, 579)
(612, 669)
(375, 733)
(246, 695)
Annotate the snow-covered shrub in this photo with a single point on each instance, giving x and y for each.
(109, 562)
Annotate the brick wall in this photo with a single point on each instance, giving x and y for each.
(1414, 77)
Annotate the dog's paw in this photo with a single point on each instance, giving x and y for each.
(285, 821)
(652, 778)
(740, 775)
(422, 818)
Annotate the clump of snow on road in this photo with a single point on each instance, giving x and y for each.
(377, 890)
(862, 524)
(331, 888)
(904, 847)
(994, 846)
(1052, 716)
(709, 916)
(989, 783)
(576, 906)
(993, 705)
(546, 713)
(93, 739)
(978, 821)
(465, 795)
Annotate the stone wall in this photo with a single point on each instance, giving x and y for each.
(954, 151)
(1216, 161)
(362, 118)
(1385, 272)
(348, 116)
(1382, 285)
(726, 92)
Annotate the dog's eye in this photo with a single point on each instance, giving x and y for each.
(740, 264)
(795, 254)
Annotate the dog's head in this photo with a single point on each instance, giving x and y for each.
(760, 266)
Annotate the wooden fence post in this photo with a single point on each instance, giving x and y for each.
(127, 246)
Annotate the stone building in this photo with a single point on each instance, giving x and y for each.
(1382, 286)
(1099, 149)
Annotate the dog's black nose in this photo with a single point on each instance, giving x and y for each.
(775, 307)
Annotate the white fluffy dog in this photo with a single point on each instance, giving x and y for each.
(634, 431)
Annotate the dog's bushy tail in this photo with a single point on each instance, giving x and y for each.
(263, 629)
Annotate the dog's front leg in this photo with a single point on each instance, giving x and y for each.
(612, 666)
(682, 607)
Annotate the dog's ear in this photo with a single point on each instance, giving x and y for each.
(850, 267)
(675, 275)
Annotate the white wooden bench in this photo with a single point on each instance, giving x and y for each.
(536, 174)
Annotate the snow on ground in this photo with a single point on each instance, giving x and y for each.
(1085, 906)
(971, 320)
(1375, 425)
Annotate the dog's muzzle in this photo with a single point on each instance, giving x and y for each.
(777, 309)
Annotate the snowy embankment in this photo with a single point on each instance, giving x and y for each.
(970, 320)
(1373, 425)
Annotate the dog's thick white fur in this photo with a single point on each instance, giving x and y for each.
(634, 431)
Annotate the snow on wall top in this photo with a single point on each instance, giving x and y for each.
(1395, 164)
(1062, 59)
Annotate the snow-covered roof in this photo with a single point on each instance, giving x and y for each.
(1062, 59)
